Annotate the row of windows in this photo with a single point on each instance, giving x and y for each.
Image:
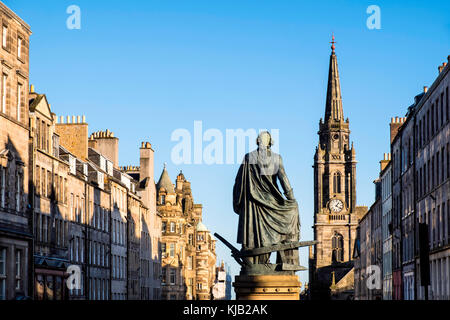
(119, 267)
(438, 220)
(5, 201)
(18, 270)
(44, 228)
(100, 218)
(434, 172)
(77, 208)
(172, 248)
(42, 135)
(120, 199)
(77, 249)
(19, 104)
(118, 231)
(173, 227)
(99, 289)
(98, 254)
(433, 119)
(169, 276)
(6, 42)
(145, 268)
(49, 287)
(50, 187)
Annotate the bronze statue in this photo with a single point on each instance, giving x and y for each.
(268, 221)
(265, 217)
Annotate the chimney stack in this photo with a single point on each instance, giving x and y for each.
(385, 161)
(395, 125)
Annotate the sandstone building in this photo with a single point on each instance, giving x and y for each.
(188, 248)
(335, 212)
(90, 213)
(415, 191)
(15, 225)
(368, 251)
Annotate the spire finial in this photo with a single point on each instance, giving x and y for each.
(165, 164)
(332, 43)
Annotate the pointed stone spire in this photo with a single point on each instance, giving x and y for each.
(333, 106)
(165, 182)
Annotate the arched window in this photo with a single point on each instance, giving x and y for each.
(337, 182)
(337, 245)
(163, 199)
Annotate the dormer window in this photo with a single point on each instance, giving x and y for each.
(72, 164)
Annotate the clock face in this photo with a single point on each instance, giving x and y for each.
(336, 205)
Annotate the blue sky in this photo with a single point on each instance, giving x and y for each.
(146, 68)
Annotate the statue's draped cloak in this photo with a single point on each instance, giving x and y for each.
(265, 216)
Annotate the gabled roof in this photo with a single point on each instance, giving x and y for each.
(40, 103)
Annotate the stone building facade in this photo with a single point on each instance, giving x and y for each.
(415, 189)
(90, 213)
(432, 171)
(188, 248)
(386, 204)
(15, 215)
(335, 212)
(368, 253)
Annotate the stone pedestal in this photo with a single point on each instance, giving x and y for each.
(267, 287)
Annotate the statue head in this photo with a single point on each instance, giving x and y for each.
(264, 140)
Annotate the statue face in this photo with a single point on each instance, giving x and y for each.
(264, 139)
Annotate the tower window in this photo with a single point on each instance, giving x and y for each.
(337, 244)
(337, 182)
(163, 199)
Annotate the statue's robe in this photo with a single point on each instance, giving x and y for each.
(265, 216)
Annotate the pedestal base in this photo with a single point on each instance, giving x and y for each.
(267, 287)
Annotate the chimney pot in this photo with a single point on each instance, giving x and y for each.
(425, 89)
(32, 88)
(78, 119)
(83, 119)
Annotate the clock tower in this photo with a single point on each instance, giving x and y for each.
(335, 211)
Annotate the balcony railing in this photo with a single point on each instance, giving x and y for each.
(337, 217)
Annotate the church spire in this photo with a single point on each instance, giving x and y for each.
(333, 106)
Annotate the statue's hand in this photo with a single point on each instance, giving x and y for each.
(290, 194)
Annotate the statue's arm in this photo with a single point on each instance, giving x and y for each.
(284, 181)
